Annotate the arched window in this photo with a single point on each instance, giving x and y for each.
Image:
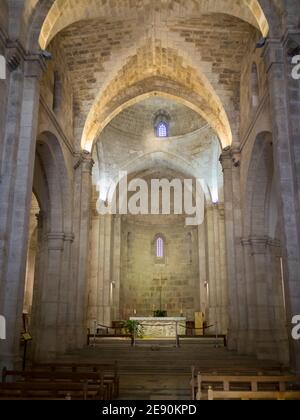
(254, 87)
(160, 247)
(162, 129)
(57, 92)
(162, 124)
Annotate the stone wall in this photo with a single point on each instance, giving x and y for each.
(57, 90)
(141, 271)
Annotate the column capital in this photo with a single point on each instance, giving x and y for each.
(84, 161)
(33, 64)
(226, 159)
(230, 158)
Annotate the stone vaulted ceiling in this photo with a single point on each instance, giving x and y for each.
(117, 51)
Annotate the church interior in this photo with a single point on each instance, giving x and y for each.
(116, 288)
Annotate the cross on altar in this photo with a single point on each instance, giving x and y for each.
(161, 280)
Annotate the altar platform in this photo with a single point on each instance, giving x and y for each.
(162, 327)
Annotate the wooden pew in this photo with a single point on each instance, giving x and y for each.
(48, 391)
(111, 372)
(251, 395)
(228, 371)
(246, 383)
(105, 386)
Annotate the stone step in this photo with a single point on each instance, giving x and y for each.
(157, 370)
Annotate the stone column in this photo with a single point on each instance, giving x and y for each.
(93, 291)
(30, 270)
(251, 297)
(41, 253)
(223, 271)
(203, 275)
(80, 254)
(226, 161)
(265, 344)
(116, 268)
(15, 192)
(277, 302)
(278, 72)
(65, 297)
(230, 160)
(105, 267)
(50, 326)
(211, 249)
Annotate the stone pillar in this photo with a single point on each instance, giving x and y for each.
(277, 310)
(80, 254)
(50, 326)
(203, 275)
(93, 291)
(16, 192)
(278, 72)
(38, 273)
(266, 321)
(116, 268)
(105, 267)
(212, 266)
(65, 300)
(226, 161)
(251, 297)
(217, 268)
(265, 344)
(230, 160)
(30, 270)
(223, 272)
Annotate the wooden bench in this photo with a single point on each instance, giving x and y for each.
(246, 383)
(48, 391)
(105, 387)
(228, 371)
(248, 396)
(110, 372)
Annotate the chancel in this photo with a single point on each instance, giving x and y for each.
(149, 191)
(167, 327)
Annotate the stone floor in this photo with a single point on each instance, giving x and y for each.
(159, 370)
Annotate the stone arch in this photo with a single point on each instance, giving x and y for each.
(65, 12)
(55, 195)
(33, 18)
(263, 256)
(115, 99)
(52, 186)
(151, 160)
(258, 194)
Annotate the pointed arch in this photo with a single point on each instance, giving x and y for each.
(66, 12)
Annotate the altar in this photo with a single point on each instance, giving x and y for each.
(162, 327)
